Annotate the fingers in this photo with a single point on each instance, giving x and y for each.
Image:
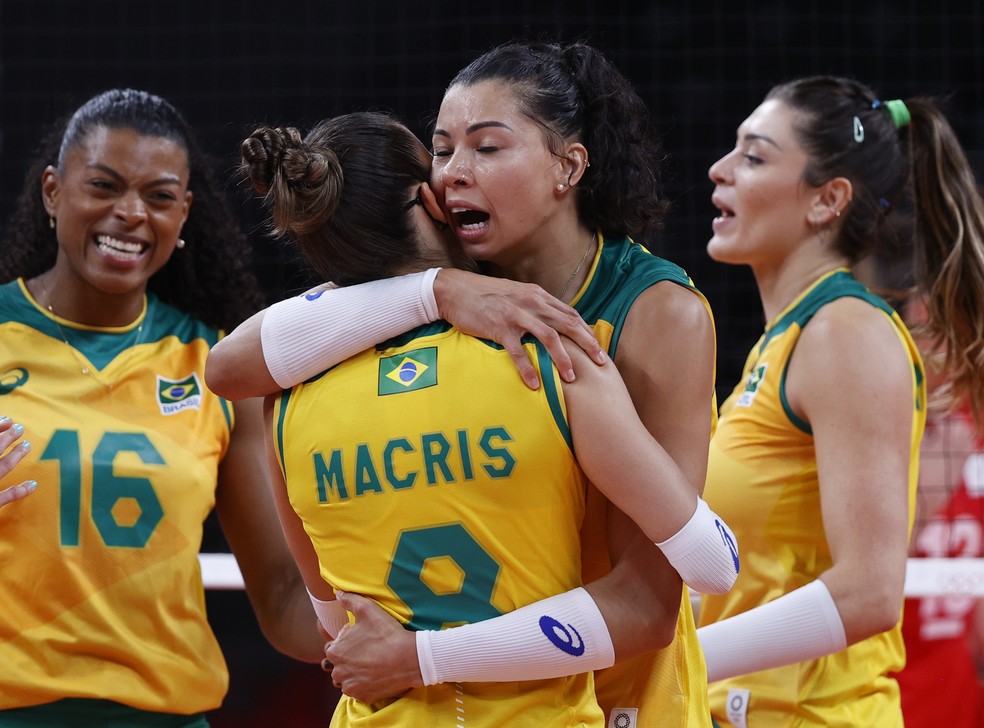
(16, 492)
(582, 335)
(522, 361)
(9, 434)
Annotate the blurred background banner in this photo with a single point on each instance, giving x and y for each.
(229, 66)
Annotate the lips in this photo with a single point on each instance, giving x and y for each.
(120, 249)
(468, 219)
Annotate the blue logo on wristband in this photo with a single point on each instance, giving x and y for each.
(729, 541)
(562, 637)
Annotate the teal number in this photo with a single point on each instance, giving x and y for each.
(64, 447)
(472, 603)
(107, 487)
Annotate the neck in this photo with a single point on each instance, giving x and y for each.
(780, 284)
(65, 296)
(557, 262)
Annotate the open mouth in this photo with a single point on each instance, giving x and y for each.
(466, 219)
(120, 249)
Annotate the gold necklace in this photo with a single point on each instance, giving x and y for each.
(563, 290)
(75, 352)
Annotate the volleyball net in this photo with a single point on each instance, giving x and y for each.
(923, 577)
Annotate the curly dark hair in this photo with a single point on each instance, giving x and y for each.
(573, 92)
(210, 278)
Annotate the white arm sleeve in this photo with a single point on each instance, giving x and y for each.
(331, 614)
(801, 625)
(557, 636)
(305, 335)
(704, 552)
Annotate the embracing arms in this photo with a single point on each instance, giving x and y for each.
(248, 516)
(299, 337)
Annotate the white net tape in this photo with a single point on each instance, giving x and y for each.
(923, 577)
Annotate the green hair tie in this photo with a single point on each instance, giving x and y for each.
(899, 112)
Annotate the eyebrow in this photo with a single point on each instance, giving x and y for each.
(762, 137)
(166, 180)
(476, 127)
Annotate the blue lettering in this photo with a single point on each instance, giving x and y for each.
(330, 476)
(388, 454)
(499, 435)
(365, 472)
(466, 463)
(436, 449)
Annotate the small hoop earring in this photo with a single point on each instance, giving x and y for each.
(180, 244)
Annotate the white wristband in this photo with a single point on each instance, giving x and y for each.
(801, 625)
(304, 335)
(331, 614)
(557, 636)
(704, 552)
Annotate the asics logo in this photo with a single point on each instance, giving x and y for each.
(12, 379)
(565, 638)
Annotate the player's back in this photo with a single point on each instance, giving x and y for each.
(431, 479)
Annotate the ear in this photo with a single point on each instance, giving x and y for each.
(832, 197)
(187, 206)
(573, 164)
(50, 183)
(429, 199)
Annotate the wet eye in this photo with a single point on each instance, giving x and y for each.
(440, 153)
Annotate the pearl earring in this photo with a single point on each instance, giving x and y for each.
(51, 221)
(561, 186)
(180, 244)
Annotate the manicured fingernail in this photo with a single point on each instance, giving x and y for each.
(18, 428)
(31, 484)
(26, 444)
(4, 419)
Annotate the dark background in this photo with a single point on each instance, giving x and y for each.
(701, 67)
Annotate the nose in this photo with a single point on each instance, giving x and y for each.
(131, 209)
(720, 171)
(456, 172)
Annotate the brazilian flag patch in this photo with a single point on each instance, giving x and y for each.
(175, 395)
(406, 372)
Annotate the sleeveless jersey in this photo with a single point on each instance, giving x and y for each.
(101, 587)
(432, 480)
(668, 687)
(940, 685)
(762, 479)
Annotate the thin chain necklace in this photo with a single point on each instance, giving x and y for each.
(580, 264)
(129, 348)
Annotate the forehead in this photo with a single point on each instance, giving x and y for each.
(478, 102)
(126, 149)
(772, 119)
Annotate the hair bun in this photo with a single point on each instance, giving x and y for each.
(301, 184)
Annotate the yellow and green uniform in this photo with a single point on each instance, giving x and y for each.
(762, 479)
(432, 480)
(667, 687)
(101, 587)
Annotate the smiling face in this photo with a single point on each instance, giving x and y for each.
(493, 169)
(119, 199)
(759, 188)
